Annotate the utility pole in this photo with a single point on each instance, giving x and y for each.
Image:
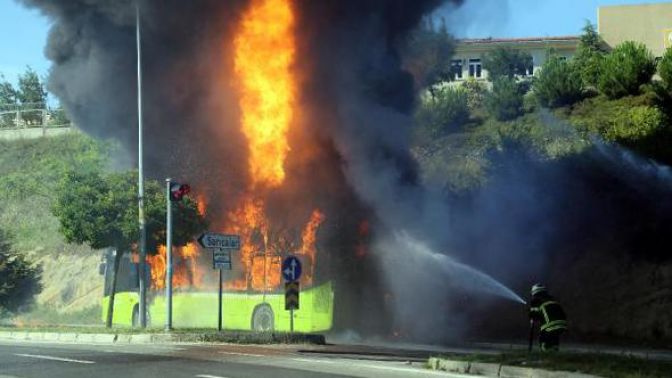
(169, 258)
(141, 184)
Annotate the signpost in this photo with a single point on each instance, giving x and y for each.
(291, 272)
(222, 245)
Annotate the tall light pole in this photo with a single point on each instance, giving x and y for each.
(141, 184)
(169, 257)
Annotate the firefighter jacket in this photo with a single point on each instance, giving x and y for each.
(545, 310)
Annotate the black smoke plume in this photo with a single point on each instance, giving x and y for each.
(356, 98)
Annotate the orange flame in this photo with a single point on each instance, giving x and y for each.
(264, 54)
(186, 271)
(308, 245)
(201, 204)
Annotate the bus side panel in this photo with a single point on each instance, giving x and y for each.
(315, 313)
(124, 303)
(199, 310)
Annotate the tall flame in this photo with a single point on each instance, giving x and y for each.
(264, 54)
(186, 271)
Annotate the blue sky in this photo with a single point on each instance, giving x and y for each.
(23, 32)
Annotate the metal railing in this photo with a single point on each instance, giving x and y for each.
(32, 115)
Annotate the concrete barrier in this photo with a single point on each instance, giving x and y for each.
(167, 338)
(454, 366)
(515, 372)
(498, 370)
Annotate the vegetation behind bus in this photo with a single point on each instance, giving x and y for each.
(100, 210)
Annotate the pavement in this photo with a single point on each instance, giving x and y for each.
(33, 359)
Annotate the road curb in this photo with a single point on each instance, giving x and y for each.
(498, 370)
(167, 338)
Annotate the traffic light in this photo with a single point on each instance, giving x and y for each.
(177, 191)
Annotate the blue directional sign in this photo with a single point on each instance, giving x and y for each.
(291, 268)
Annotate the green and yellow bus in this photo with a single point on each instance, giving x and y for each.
(241, 310)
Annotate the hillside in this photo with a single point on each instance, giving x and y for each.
(29, 172)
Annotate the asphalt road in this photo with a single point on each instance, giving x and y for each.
(33, 360)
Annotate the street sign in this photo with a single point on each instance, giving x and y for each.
(291, 269)
(292, 296)
(223, 241)
(221, 259)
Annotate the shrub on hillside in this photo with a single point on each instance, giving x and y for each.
(476, 92)
(635, 123)
(665, 69)
(442, 109)
(626, 69)
(19, 280)
(558, 84)
(505, 101)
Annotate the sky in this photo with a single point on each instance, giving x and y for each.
(23, 32)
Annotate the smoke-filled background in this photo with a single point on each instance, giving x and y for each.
(350, 157)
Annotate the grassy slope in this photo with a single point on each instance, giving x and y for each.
(29, 172)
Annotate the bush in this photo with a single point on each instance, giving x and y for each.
(505, 101)
(444, 108)
(558, 84)
(626, 69)
(665, 69)
(19, 280)
(635, 123)
(475, 93)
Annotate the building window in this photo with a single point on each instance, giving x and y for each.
(456, 69)
(475, 68)
(530, 69)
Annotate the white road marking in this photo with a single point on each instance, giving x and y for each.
(52, 358)
(242, 354)
(208, 376)
(309, 360)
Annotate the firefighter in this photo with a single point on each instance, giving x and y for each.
(550, 316)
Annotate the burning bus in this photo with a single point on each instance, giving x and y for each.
(255, 302)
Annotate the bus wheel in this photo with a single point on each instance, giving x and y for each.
(262, 318)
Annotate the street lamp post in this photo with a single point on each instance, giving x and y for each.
(141, 185)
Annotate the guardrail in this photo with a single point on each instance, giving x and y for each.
(26, 116)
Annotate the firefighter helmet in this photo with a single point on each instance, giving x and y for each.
(537, 288)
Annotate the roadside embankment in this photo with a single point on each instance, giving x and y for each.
(552, 365)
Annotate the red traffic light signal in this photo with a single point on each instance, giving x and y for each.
(177, 191)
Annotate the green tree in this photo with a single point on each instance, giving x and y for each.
(32, 96)
(589, 55)
(558, 84)
(31, 90)
(427, 53)
(19, 280)
(101, 211)
(7, 103)
(506, 62)
(442, 109)
(626, 69)
(665, 70)
(505, 101)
